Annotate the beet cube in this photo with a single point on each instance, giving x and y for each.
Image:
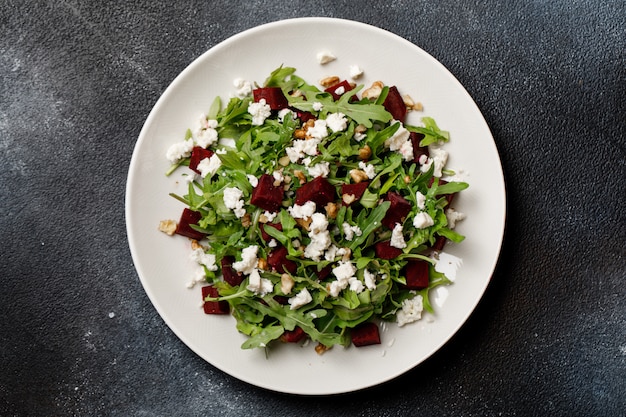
(266, 237)
(384, 250)
(416, 273)
(231, 276)
(356, 190)
(322, 273)
(198, 154)
(394, 103)
(266, 195)
(273, 96)
(187, 218)
(214, 307)
(304, 116)
(398, 210)
(293, 336)
(365, 334)
(440, 242)
(333, 89)
(280, 299)
(319, 190)
(277, 259)
(418, 150)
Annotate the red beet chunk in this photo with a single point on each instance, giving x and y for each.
(280, 299)
(384, 250)
(198, 154)
(319, 190)
(418, 150)
(214, 307)
(293, 336)
(365, 334)
(277, 259)
(322, 273)
(440, 242)
(333, 89)
(395, 104)
(417, 274)
(273, 96)
(304, 116)
(398, 210)
(356, 190)
(231, 276)
(188, 218)
(266, 195)
(266, 237)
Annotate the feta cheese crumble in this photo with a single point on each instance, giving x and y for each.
(209, 166)
(232, 200)
(300, 299)
(302, 147)
(370, 279)
(179, 150)
(259, 111)
(319, 235)
(420, 200)
(248, 260)
(355, 72)
(397, 239)
(411, 310)
(206, 259)
(324, 57)
(319, 170)
(337, 122)
(439, 157)
(258, 285)
(302, 211)
(350, 231)
(422, 220)
(369, 169)
(318, 131)
(344, 272)
(243, 87)
(206, 137)
(401, 142)
(317, 106)
(454, 216)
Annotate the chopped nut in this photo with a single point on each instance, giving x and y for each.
(286, 283)
(296, 93)
(407, 179)
(309, 123)
(358, 175)
(329, 81)
(287, 181)
(320, 348)
(263, 218)
(299, 133)
(168, 227)
(360, 129)
(195, 245)
(408, 101)
(365, 152)
(304, 223)
(346, 255)
(418, 106)
(331, 210)
(245, 220)
(348, 198)
(284, 161)
(262, 264)
(374, 91)
(299, 175)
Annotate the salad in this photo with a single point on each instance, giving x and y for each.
(315, 213)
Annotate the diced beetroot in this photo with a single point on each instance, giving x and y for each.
(384, 250)
(322, 273)
(293, 336)
(319, 190)
(280, 299)
(214, 307)
(365, 334)
(273, 96)
(333, 89)
(395, 104)
(187, 218)
(449, 197)
(398, 210)
(418, 150)
(198, 153)
(266, 195)
(231, 276)
(264, 235)
(356, 190)
(304, 116)
(416, 273)
(440, 242)
(277, 259)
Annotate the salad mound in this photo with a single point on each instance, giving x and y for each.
(315, 213)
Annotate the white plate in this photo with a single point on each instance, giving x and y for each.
(163, 264)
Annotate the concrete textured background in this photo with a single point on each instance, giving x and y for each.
(77, 81)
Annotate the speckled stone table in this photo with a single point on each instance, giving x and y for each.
(78, 335)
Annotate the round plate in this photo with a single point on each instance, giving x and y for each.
(163, 263)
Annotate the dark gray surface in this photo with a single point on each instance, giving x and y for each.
(78, 336)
